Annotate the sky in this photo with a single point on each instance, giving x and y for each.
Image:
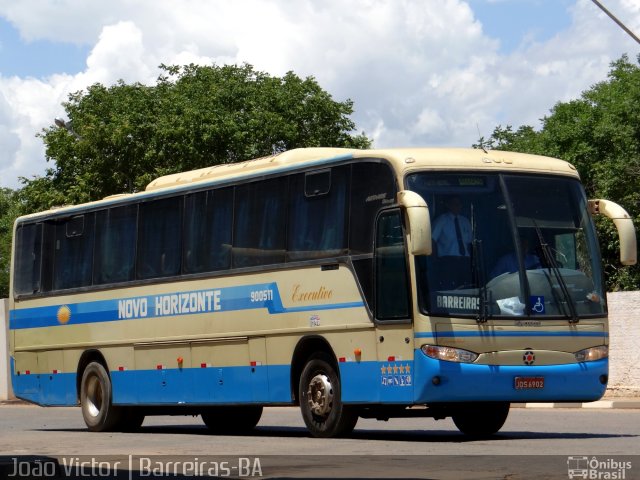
(420, 72)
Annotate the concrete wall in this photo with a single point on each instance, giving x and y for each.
(624, 344)
(5, 377)
(624, 321)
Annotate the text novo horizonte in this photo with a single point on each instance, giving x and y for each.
(172, 304)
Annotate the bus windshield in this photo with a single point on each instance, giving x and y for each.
(508, 246)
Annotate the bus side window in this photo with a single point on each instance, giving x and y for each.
(159, 238)
(317, 217)
(207, 230)
(28, 258)
(372, 188)
(259, 223)
(73, 252)
(115, 244)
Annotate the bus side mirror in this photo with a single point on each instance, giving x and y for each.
(418, 222)
(624, 225)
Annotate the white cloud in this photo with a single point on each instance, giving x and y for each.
(119, 54)
(61, 20)
(9, 139)
(419, 72)
(29, 105)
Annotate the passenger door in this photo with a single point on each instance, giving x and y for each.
(394, 330)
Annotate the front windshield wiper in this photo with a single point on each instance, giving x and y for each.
(477, 266)
(553, 264)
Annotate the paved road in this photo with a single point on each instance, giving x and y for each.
(410, 448)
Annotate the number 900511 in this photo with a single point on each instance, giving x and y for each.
(261, 295)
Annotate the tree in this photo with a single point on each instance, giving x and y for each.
(8, 213)
(599, 134)
(124, 136)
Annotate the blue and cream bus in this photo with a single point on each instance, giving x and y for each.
(311, 278)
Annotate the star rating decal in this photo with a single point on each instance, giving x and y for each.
(395, 374)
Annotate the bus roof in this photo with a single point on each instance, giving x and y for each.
(403, 160)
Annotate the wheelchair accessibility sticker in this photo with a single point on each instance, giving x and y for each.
(537, 304)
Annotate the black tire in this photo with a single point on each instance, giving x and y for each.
(99, 414)
(320, 395)
(481, 419)
(235, 419)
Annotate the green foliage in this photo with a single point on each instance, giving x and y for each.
(525, 140)
(8, 213)
(124, 136)
(599, 134)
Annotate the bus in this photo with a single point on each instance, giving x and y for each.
(317, 278)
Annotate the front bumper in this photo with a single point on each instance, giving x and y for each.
(443, 381)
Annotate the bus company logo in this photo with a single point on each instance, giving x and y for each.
(594, 468)
(529, 357)
(64, 314)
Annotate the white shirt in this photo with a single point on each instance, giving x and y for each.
(444, 234)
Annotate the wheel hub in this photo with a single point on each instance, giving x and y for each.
(320, 395)
(94, 396)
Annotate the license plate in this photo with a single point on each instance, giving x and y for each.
(527, 383)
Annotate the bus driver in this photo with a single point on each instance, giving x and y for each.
(452, 231)
(452, 238)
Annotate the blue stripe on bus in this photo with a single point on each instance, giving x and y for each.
(362, 383)
(510, 333)
(209, 301)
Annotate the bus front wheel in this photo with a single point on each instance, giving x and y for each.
(321, 404)
(98, 412)
(481, 419)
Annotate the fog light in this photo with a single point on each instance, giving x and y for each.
(592, 354)
(449, 354)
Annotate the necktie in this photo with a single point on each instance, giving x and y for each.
(459, 237)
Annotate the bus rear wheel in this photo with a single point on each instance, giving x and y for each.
(481, 419)
(321, 404)
(99, 414)
(235, 419)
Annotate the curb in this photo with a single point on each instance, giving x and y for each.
(624, 404)
(14, 401)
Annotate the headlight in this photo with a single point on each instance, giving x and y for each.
(592, 354)
(449, 354)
